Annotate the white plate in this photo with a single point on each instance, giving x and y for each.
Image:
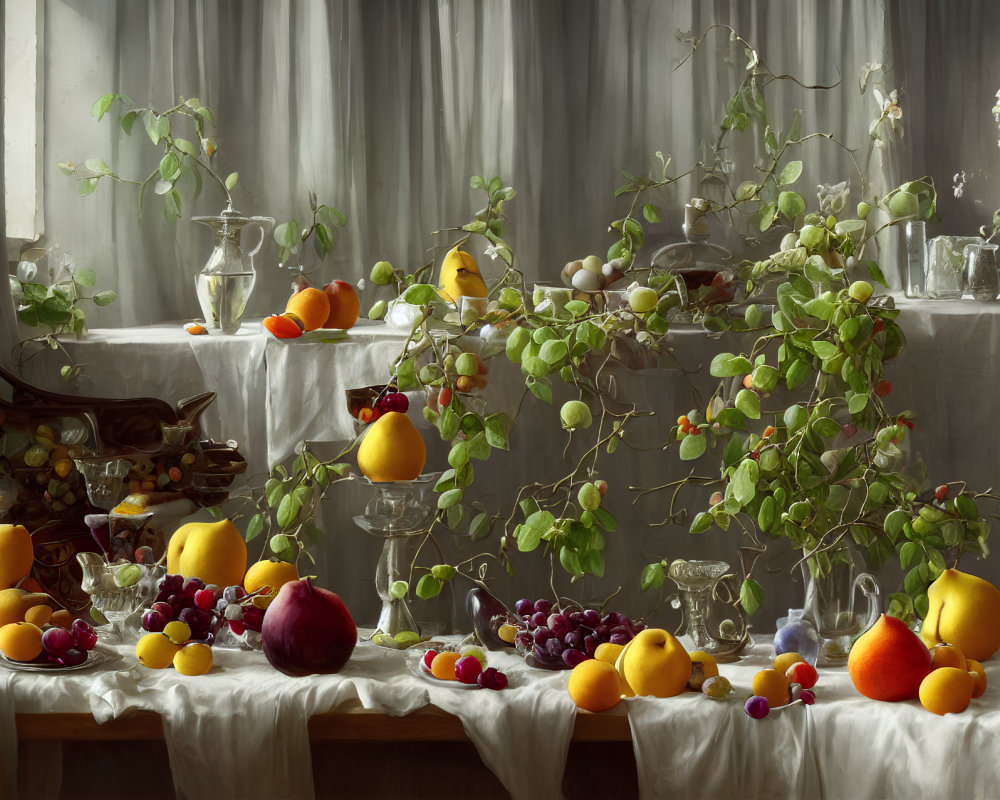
(94, 659)
(422, 672)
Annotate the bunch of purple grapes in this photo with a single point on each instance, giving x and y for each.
(191, 601)
(68, 648)
(561, 639)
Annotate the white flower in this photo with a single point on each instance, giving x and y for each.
(833, 197)
(491, 251)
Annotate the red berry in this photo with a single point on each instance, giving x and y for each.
(204, 599)
(803, 673)
(883, 388)
(755, 455)
(941, 492)
(428, 658)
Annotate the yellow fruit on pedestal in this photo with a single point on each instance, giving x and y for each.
(392, 449)
(16, 554)
(460, 276)
(654, 663)
(273, 573)
(963, 611)
(212, 551)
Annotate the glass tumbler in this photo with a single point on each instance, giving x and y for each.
(981, 271)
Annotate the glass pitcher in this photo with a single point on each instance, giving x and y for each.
(831, 583)
(227, 279)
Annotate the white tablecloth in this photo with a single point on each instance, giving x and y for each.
(241, 730)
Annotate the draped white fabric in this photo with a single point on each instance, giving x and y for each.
(385, 109)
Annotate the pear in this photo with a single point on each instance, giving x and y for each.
(963, 611)
(654, 663)
(392, 449)
(460, 276)
(888, 661)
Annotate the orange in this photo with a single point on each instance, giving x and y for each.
(978, 678)
(62, 618)
(443, 665)
(271, 572)
(16, 554)
(311, 306)
(21, 641)
(284, 326)
(946, 690)
(344, 305)
(772, 685)
(594, 685)
(946, 655)
(785, 660)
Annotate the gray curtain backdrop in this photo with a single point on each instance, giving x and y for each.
(385, 108)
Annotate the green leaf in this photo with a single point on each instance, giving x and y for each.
(795, 417)
(824, 349)
(255, 527)
(480, 526)
(87, 186)
(744, 483)
(857, 401)
(497, 428)
(553, 351)
(651, 213)
(592, 562)
(751, 596)
(85, 277)
(448, 425)
(727, 365)
(449, 498)
(479, 448)
(702, 522)
(101, 106)
(653, 576)
(172, 205)
(766, 513)
(692, 447)
(540, 389)
(748, 402)
(577, 307)
(569, 561)
(288, 511)
(816, 270)
(790, 173)
(966, 506)
(420, 294)
(428, 586)
(791, 204)
(769, 212)
(798, 373)
(605, 519)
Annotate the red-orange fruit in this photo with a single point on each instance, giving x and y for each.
(888, 661)
(284, 326)
(344, 305)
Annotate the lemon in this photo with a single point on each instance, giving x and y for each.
(155, 650)
(193, 659)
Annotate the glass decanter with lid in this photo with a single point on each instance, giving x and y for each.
(227, 279)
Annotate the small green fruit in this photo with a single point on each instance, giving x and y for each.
(642, 299)
(516, 342)
(382, 273)
(863, 209)
(575, 414)
(466, 364)
(904, 204)
(812, 237)
(589, 497)
(593, 264)
(378, 309)
(860, 291)
(510, 298)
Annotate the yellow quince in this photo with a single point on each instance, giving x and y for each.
(460, 276)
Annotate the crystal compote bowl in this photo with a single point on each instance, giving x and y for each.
(698, 582)
(395, 513)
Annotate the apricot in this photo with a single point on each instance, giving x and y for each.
(344, 305)
(284, 326)
(311, 306)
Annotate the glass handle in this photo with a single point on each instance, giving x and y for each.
(870, 588)
(263, 233)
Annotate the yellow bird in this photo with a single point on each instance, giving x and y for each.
(460, 276)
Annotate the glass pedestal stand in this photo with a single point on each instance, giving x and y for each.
(713, 623)
(395, 514)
